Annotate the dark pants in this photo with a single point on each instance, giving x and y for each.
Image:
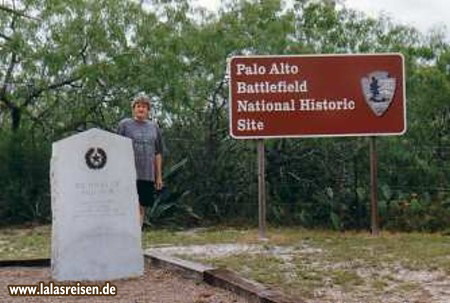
(146, 192)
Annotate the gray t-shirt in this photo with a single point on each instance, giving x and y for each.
(147, 143)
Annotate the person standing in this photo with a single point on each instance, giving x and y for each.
(148, 148)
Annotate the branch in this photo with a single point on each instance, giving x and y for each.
(82, 122)
(5, 37)
(212, 100)
(83, 52)
(16, 13)
(6, 80)
(216, 92)
(62, 83)
(56, 85)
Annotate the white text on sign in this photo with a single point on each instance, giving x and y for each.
(282, 68)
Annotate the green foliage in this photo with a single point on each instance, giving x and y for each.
(66, 66)
(24, 194)
(170, 207)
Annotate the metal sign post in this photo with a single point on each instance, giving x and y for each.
(373, 187)
(261, 191)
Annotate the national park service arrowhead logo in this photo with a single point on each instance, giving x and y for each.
(95, 158)
(379, 89)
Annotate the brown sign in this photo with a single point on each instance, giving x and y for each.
(321, 95)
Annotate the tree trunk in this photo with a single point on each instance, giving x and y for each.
(16, 115)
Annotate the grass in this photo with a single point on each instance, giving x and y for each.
(364, 268)
(24, 243)
(372, 269)
(203, 236)
(356, 265)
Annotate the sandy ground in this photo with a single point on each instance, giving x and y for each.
(156, 286)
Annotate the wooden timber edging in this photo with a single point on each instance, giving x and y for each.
(252, 291)
(25, 263)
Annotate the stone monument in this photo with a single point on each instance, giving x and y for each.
(95, 231)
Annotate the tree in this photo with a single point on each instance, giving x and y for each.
(82, 61)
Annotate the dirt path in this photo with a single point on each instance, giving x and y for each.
(156, 286)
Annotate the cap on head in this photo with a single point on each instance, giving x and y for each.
(141, 98)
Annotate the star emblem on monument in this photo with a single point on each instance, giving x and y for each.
(95, 158)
